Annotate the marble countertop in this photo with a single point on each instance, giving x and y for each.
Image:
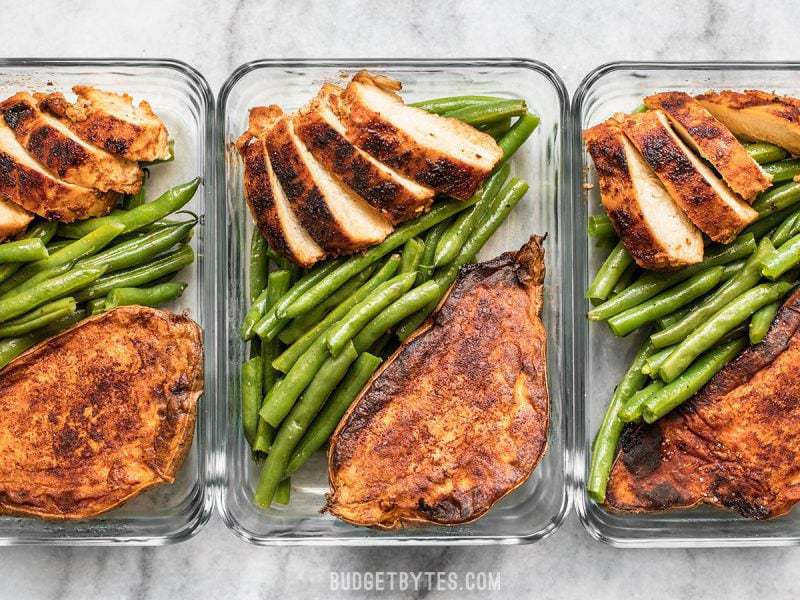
(572, 37)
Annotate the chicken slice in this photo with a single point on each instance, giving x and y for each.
(14, 219)
(340, 221)
(655, 231)
(442, 153)
(757, 116)
(25, 182)
(111, 122)
(64, 153)
(265, 196)
(705, 198)
(398, 198)
(713, 141)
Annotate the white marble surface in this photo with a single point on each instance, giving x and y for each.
(573, 37)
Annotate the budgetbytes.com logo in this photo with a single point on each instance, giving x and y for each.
(413, 581)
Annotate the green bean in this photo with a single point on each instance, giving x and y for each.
(599, 226)
(171, 263)
(451, 103)
(626, 279)
(783, 170)
(605, 444)
(141, 216)
(784, 231)
(654, 361)
(666, 302)
(96, 306)
(481, 114)
(282, 396)
(324, 288)
(259, 265)
(327, 420)
(713, 329)
(345, 329)
(455, 236)
(278, 283)
(763, 152)
(497, 129)
(43, 230)
(650, 284)
(258, 310)
(507, 199)
(690, 381)
(22, 251)
(135, 252)
(286, 360)
(144, 296)
(283, 493)
(133, 200)
(412, 254)
(766, 225)
(632, 411)
(777, 198)
(730, 270)
(761, 321)
(324, 382)
(17, 303)
(743, 281)
(609, 273)
(406, 305)
(44, 309)
(673, 318)
(425, 268)
(783, 259)
(26, 323)
(11, 348)
(299, 326)
(251, 397)
(519, 132)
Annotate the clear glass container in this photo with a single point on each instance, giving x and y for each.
(599, 358)
(180, 95)
(538, 507)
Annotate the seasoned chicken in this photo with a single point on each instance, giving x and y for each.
(438, 152)
(14, 219)
(706, 200)
(25, 182)
(65, 154)
(736, 444)
(98, 414)
(711, 140)
(110, 121)
(339, 221)
(458, 417)
(656, 233)
(265, 197)
(398, 198)
(757, 116)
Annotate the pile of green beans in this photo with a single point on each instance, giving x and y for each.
(57, 275)
(326, 333)
(699, 317)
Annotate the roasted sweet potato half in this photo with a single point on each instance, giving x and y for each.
(96, 415)
(458, 417)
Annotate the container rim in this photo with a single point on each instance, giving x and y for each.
(580, 499)
(563, 190)
(202, 513)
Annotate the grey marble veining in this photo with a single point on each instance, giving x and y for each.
(573, 37)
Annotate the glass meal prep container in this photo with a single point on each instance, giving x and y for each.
(181, 97)
(537, 508)
(599, 358)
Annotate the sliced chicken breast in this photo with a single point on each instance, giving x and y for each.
(110, 121)
(757, 116)
(705, 198)
(398, 198)
(14, 219)
(713, 141)
(655, 231)
(438, 152)
(65, 154)
(25, 182)
(265, 197)
(338, 220)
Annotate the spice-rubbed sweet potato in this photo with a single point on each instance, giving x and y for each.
(458, 417)
(94, 416)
